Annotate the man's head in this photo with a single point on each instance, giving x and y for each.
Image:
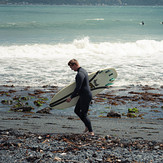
(74, 64)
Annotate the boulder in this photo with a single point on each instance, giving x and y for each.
(112, 114)
(23, 109)
(44, 111)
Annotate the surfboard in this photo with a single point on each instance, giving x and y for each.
(98, 81)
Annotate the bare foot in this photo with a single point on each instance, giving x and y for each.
(91, 133)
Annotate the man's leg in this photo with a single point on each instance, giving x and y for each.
(81, 109)
(84, 105)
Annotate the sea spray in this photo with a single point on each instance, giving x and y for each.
(136, 62)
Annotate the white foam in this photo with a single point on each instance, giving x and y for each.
(96, 19)
(137, 62)
(138, 48)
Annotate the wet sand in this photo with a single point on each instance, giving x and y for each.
(147, 125)
(127, 128)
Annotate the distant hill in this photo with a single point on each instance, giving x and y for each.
(85, 2)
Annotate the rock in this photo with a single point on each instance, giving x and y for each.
(36, 92)
(57, 158)
(24, 98)
(112, 114)
(131, 115)
(22, 109)
(107, 137)
(6, 102)
(38, 103)
(32, 158)
(156, 147)
(16, 146)
(44, 111)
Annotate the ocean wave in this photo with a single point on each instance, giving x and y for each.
(15, 25)
(29, 25)
(44, 64)
(96, 19)
(85, 46)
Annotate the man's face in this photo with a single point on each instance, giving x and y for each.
(74, 67)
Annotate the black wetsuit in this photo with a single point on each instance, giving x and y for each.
(83, 90)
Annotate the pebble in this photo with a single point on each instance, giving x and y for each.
(17, 146)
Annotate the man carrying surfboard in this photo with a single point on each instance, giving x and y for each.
(85, 96)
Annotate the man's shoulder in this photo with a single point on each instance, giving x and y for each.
(82, 72)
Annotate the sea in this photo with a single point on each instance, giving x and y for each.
(37, 41)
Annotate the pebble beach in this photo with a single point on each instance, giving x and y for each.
(41, 135)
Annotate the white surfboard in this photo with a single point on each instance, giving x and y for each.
(98, 81)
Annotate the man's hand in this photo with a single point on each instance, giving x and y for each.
(68, 99)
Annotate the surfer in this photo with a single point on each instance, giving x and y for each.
(142, 23)
(85, 96)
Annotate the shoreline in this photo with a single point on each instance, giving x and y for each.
(147, 100)
(39, 137)
(134, 129)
